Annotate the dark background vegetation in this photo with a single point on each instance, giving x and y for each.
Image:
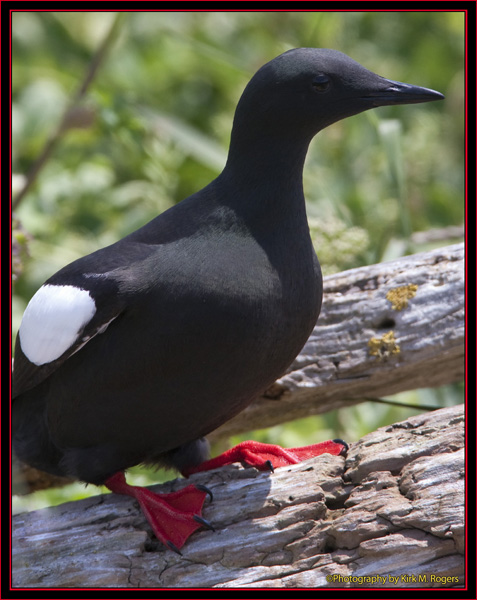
(154, 124)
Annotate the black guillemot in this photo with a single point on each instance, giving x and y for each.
(134, 353)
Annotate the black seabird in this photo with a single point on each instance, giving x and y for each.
(135, 352)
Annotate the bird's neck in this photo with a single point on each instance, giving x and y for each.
(267, 172)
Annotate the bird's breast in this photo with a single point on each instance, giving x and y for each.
(240, 307)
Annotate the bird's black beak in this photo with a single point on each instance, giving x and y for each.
(395, 92)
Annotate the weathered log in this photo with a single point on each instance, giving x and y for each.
(390, 515)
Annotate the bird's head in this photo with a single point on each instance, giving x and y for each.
(306, 89)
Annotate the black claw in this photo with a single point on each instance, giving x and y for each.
(270, 466)
(203, 522)
(344, 444)
(205, 489)
(174, 548)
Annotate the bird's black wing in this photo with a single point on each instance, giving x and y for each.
(74, 305)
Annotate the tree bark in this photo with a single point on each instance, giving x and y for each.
(389, 515)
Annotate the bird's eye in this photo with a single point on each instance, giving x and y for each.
(321, 83)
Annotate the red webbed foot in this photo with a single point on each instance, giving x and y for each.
(267, 457)
(173, 517)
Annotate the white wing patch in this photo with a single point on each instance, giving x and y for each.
(53, 320)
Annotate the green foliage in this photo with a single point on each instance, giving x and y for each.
(155, 124)
(20, 253)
